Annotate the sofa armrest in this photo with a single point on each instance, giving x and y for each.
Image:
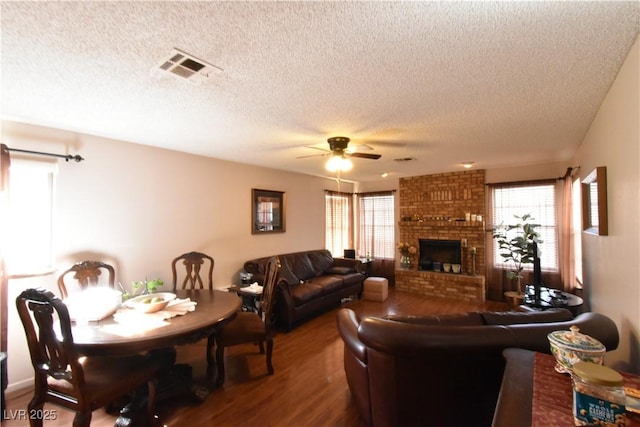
(516, 391)
(533, 336)
(348, 323)
(355, 363)
(356, 264)
(285, 288)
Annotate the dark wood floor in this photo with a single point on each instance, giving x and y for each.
(308, 388)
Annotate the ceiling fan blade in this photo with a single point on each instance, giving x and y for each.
(365, 155)
(313, 155)
(317, 148)
(358, 148)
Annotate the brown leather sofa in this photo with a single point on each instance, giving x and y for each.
(444, 370)
(311, 282)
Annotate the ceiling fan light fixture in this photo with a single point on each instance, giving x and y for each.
(338, 163)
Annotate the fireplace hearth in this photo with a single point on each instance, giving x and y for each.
(439, 251)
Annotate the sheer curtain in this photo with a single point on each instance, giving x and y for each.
(567, 235)
(339, 222)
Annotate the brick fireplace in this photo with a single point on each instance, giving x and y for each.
(447, 206)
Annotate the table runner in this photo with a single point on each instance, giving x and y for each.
(553, 395)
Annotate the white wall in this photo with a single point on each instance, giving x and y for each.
(139, 207)
(612, 263)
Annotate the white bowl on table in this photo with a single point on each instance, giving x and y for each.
(151, 303)
(93, 304)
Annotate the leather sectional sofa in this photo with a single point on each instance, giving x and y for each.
(311, 282)
(444, 370)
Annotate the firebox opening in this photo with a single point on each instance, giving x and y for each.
(441, 251)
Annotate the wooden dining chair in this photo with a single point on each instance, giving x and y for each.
(193, 279)
(193, 263)
(86, 273)
(65, 378)
(251, 327)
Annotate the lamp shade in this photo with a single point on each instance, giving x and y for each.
(338, 163)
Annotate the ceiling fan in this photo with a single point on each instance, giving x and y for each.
(338, 147)
(338, 162)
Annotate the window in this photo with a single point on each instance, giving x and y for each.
(31, 185)
(539, 201)
(339, 222)
(376, 235)
(265, 215)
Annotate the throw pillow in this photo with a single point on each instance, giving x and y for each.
(341, 270)
(321, 261)
(301, 266)
(287, 274)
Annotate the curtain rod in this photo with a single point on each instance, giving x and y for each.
(373, 193)
(568, 173)
(67, 157)
(523, 183)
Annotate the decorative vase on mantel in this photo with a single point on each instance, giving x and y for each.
(405, 261)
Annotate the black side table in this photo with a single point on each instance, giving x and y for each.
(552, 298)
(367, 266)
(250, 300)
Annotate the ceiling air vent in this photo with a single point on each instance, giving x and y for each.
(188, 66)
(404, 159)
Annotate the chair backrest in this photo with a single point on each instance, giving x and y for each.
(267, 301)
(193, 262)
(86, 273)
(52, 354)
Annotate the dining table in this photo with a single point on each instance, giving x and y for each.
(107, 337)
(122, 335)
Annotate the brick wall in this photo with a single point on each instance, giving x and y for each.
(435, 207)
(442, 285)
(430, 206)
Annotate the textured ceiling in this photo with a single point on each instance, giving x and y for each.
(498, 83)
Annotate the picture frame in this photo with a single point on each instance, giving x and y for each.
(594, 202)
(267, 211)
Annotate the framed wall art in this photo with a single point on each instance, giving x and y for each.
(267, 211)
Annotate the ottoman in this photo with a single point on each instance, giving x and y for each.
(375, 289)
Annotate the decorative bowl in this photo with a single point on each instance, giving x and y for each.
(151, 303)
(570, 347)
(93, 304)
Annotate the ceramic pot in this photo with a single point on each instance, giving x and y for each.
(570, 347)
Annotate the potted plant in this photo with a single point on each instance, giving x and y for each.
(141, 287)
(516, 245)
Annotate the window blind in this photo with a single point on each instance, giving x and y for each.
(539, 201)
(376, 235)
